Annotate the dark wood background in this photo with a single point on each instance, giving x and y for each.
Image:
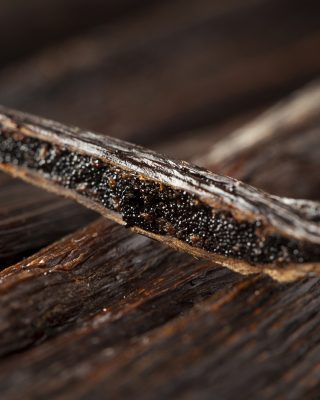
(89, 310)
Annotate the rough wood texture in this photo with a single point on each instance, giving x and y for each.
(189, 208)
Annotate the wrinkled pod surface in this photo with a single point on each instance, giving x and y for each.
(189, 208)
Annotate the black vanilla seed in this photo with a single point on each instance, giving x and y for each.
(153, 206)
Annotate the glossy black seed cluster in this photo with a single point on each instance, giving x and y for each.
(151, 206)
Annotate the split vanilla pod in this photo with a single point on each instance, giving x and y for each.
(186, 207)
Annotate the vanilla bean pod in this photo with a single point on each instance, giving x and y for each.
(187, 207)
(284, 142)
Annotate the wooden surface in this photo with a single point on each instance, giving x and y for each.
(104, 313)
